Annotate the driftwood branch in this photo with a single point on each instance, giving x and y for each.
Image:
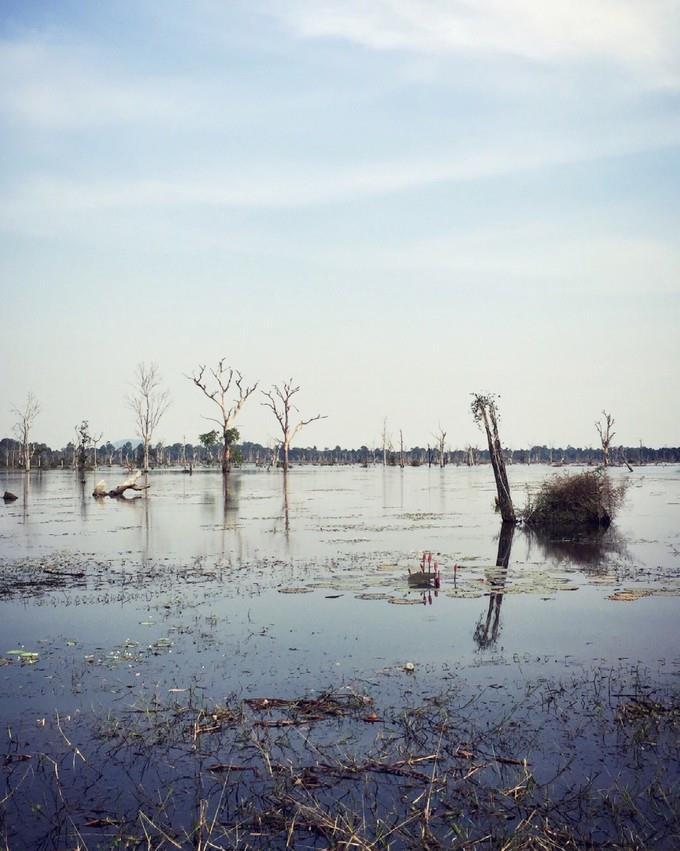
(129, 484)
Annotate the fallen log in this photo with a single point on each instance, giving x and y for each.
(129, 484)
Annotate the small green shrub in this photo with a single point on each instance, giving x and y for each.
(575, 503)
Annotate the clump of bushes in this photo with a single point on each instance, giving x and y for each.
(569, 504)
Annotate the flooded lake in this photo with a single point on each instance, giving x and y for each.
(113, 612)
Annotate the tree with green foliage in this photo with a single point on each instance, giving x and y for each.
(208, 441)
(83, 441)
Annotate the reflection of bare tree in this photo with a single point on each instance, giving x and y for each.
(486, 631)
(286, 521)
(230, 490)
(26, 497)
(84, 500)
(146, 552)
(588, 551)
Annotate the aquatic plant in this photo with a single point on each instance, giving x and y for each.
(575, 503)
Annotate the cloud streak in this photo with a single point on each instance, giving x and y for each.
(639, 36)
(289, 186)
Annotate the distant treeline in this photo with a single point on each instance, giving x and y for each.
(187, 454)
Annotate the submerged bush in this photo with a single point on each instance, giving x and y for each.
(571, 504)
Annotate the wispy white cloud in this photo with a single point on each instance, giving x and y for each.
(52, 199)
(57, 86)
(71, 84)
(540, 258)
(640, 36)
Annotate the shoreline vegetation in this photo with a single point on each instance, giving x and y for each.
(162, 457)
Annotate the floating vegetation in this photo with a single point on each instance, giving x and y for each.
(27, 657)
(629, 595)
(300, 589)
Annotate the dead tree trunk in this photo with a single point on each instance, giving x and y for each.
(440, 437)
(279, 402)
(485, 412)
(604, 429)
(385, 441)
(26, 418)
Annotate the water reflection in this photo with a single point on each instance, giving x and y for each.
(146, 525)
(427, 597)
(26, 496)
(231, 489)
(487, 629)
(590, 551)
(286, 519)
(85, 498)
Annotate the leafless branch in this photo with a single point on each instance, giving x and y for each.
(225, 381)
(280, 404)
(149, 402)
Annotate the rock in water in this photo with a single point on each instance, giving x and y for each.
(8, 496)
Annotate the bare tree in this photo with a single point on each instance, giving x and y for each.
(22, 428)
(386, 442)
(485, 413)
(226, 381)
(279, 402)
(471, 453)
(440, 438)
(149, 402)
(604, 429)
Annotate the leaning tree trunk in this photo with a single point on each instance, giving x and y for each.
(497, 462)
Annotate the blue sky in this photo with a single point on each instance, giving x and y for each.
(396, 203)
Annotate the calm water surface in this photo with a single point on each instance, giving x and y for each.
(191, 597)
(341, 531)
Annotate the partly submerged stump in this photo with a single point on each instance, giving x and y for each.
(8, 496)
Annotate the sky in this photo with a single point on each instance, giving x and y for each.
(395, 203)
